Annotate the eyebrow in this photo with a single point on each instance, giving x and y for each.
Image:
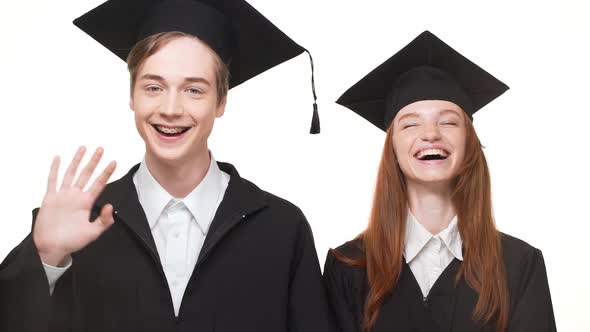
(152, 77)
(454, 112)
(196, 80)
(163, 80)
(413, 115)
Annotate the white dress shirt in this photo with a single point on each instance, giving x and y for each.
(179, 226)
(429, 255)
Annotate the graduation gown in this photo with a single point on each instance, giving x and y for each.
(257, 271)
(448, 307)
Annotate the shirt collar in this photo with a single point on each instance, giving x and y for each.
(152, 197)
(201, 202)
(452, 239)
(416, 237)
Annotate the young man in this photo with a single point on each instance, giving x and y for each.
(182, 242)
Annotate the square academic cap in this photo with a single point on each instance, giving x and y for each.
(425, 69)
(242, 37)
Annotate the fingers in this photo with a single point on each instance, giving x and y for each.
(71, 171)
(89, 169)
(52, 179)
(101, 181)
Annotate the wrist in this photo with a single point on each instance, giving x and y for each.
(51, 256)
(53, 259)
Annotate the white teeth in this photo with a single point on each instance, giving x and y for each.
(168, 130)
(432, 152)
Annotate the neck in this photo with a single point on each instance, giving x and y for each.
(179, 178)
(431, 205)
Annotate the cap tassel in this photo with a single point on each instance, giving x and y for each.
(315, 120)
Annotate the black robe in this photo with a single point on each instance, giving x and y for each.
(449, 306)
(257, 271)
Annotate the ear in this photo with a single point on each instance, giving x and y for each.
(131, 103)
(221, 107)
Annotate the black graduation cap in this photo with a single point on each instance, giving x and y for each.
(425, 69)
(243, 38)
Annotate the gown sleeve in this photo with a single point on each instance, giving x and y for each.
(533, 310)
(343, 294)
(25, 300)
(24, 290)
(308, 306)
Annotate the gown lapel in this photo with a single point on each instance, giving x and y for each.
(241, 200)
(434, 312)
(128, 211)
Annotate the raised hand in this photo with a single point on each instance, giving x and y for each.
(62, 225)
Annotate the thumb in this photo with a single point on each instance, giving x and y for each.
(105, 220)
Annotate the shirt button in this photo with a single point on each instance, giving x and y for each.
(176, 235)
(175, 283)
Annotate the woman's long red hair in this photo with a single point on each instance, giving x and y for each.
(383, 240)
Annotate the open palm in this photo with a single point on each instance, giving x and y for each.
(62, 226)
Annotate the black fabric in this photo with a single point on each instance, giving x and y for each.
(22, 280)
(424, 83)
(449, 306)
(192, 17)
(257, 271)
(248, 42)
(425, 69)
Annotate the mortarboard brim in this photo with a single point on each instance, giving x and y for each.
(425, 69)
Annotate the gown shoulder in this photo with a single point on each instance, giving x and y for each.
(346, 285)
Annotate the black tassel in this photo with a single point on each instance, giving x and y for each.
(315, 120)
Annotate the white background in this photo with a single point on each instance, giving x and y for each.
(60, 89)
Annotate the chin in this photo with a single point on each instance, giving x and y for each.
(433, 180)
(433, 177)
(167, 155)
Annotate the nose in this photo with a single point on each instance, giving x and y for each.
(172, 105)
(431, 133)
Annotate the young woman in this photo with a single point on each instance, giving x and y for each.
(431, 258)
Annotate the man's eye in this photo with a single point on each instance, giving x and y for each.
(409, 125)
(153, 88)
(194, 91)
